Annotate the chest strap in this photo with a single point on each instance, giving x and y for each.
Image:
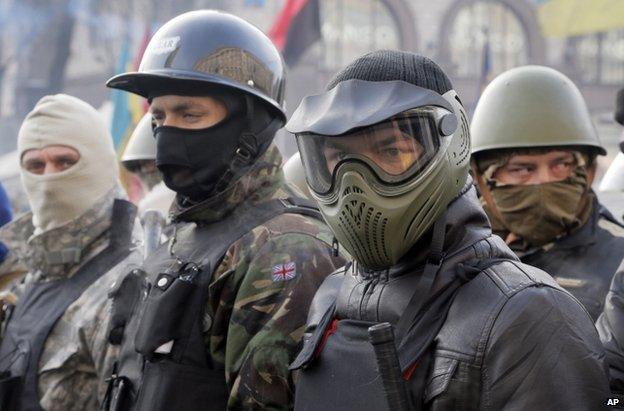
(44, 303)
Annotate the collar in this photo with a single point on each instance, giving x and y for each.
(584, 236)
(466, 225)
(261, 182)
(58, 252)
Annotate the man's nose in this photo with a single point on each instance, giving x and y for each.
(50, 168)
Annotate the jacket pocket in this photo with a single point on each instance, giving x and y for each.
(442, 372)
(167, 315)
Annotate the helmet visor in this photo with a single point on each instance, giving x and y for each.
(395, 149)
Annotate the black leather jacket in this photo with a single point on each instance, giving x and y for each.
(584, 262)
(610, 326)
(512, 339)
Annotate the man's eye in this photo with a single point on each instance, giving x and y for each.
(391, 153)
(34, 166)
(564, 165)
(67, 163)
(520, 171)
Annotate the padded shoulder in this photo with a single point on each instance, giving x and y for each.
(479, 302)
(512, 276)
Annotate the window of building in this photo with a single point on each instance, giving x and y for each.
(486, 38)
(599, 58)
(351, 28)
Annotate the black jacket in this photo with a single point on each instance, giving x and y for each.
(512, 338)
(610, 326)
(584, 262)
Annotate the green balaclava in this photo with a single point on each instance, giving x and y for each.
(534, 109)
(538, 213)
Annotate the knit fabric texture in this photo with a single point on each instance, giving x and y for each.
(390, 65)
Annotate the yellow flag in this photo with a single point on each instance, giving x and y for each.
(565, 18)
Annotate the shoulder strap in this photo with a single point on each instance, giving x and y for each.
(69, 291)
(205, 246)
(434, 261)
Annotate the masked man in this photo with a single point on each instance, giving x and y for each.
(610, 327)
(230, 292)
(610, 324)
(139, 158)
(79, 237)
(474, 328)
(534, 150)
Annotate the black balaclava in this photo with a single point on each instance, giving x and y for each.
(198, 164)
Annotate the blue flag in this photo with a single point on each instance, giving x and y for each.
(122, 117)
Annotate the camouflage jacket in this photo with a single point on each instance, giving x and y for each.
(11, 271)
(254, 321)
(76, 358)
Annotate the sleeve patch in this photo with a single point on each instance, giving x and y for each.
(284, 272)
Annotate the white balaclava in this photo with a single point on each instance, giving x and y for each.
(56, 199)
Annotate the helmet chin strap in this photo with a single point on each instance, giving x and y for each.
(484, 189)
(248, 149)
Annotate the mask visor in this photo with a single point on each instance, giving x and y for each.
(395, 149)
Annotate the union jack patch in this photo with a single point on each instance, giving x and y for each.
(284, 272)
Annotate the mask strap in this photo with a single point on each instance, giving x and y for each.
(423, 288)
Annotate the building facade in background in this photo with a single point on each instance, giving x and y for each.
(74, 46)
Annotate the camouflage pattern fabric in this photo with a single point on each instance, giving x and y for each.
(76, 358)
(11, 271)
(583, 261)
(260, 293)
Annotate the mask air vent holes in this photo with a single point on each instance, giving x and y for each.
(382, 251)
(352, 189)
(369, 231)
(364, 228)
(348, 226)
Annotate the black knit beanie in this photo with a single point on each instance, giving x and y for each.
(389, 65)
(619, 107)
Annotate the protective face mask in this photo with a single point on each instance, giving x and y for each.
(541, 213)
(56, 199)
(59, 198)
(193, 161)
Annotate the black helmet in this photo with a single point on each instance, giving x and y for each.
(208, 46)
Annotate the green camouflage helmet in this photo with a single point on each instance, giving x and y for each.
(532, 106)
(142, 144)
